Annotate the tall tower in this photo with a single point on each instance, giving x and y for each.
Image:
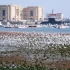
(52, 11)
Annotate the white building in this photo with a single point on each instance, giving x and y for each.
(56, 16)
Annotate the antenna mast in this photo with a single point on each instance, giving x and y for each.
(52, 11)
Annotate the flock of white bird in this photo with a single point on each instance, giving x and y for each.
(33, 39)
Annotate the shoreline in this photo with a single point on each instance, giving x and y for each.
(35, 32)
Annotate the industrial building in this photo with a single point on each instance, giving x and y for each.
(16, 13)
(33, 13)
(11, 12)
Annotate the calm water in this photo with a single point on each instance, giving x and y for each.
(41, 29)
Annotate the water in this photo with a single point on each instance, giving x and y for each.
(40, 29)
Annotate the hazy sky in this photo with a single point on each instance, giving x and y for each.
(59, 6)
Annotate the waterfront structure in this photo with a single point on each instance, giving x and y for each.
(11, 12)
(55, 18)
(33, 13)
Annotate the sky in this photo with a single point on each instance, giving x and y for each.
(59, 6)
